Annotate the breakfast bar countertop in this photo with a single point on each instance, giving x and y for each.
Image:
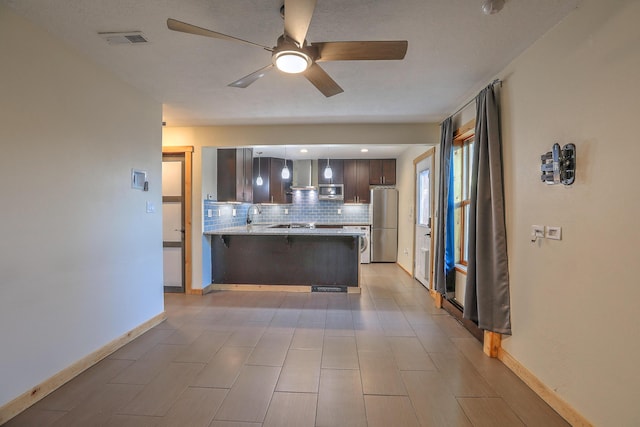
(281, 230)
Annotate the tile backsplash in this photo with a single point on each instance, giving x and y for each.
(305, 208)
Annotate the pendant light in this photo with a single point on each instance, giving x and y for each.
(285, 170)
(259, 178)
(328, 173)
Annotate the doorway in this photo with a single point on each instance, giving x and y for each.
(176, 218)
(423, 243)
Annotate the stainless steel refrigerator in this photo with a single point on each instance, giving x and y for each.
(384, 225)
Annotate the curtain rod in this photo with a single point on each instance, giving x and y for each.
(493, 83)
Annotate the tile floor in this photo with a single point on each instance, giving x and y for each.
(385, 357)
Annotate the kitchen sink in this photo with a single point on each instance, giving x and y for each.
(294, 225)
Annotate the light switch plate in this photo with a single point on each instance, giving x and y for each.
(537, 232)
(151, 207)
(554, 233)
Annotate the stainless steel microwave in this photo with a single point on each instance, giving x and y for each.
(330, 192)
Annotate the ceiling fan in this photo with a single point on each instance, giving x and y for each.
(293, 54)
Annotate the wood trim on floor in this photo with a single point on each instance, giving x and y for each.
(437, 296)
(565, 410)
(38, 392)
(491, 344)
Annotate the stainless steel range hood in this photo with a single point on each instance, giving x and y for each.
(305, 175)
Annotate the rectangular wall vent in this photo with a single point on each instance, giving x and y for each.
(128, 37)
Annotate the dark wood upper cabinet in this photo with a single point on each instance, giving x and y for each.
(382, 172)
(337, 169)
(235, 174)
(273, 189)
(356, 181)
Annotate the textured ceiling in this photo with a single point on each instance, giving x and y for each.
(454, 50)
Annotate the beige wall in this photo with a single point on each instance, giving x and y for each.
(80, 259)
(575, 301)
(228, 136)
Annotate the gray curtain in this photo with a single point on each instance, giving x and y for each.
(444, 268)
(487, 289)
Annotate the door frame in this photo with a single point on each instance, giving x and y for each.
(187, 152)
(430, 152)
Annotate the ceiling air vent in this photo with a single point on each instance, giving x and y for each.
(129, 37)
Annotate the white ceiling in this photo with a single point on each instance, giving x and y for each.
(454, 50)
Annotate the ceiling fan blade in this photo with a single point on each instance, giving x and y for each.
(247, 80)
(183, 27)
(322, 81)
(361, 51)
(297, 17)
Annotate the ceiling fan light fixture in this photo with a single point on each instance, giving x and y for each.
(292, 62)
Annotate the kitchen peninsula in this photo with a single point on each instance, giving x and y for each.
(298, 257)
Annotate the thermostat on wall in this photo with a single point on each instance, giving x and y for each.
(138, 179)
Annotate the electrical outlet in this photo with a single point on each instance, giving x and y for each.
(219, 212)
(554, 233)
(286, 211)
(209, 213)
(151, 207)
(233, 212)
(339, 211)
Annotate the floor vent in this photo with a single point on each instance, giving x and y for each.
(328, 289)
(129, 37)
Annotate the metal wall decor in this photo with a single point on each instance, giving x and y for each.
(558, 166)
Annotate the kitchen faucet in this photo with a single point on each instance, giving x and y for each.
(257, 207)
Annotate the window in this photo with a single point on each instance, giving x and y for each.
(424, 210)
(462, 159)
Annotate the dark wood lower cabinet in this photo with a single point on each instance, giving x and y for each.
(315, 260)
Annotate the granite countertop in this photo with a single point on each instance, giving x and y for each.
(276, 230)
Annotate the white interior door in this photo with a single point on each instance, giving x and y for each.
(173, 223)
(424, 203)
